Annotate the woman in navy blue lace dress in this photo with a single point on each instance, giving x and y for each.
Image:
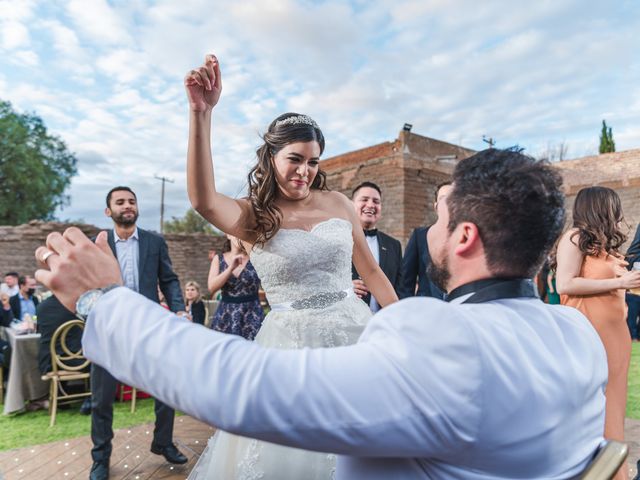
(239, 311)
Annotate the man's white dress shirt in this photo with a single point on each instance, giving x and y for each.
(372, 242)
(128, 253)
(511, 388)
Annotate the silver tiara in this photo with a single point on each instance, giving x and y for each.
(297, 119)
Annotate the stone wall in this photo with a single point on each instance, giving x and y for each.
(188, 252)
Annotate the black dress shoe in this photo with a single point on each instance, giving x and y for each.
(99, 471)
(170, 452)
(85, 408)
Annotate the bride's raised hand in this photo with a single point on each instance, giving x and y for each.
(204, 85)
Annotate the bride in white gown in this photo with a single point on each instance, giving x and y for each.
(301, 239)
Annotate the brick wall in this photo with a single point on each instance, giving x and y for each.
(619, 171)
(409, 168)
(407, 171)
(188, 252)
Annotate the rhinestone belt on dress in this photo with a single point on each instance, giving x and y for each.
(318, 301)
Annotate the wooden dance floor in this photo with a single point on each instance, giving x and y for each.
(130, 459)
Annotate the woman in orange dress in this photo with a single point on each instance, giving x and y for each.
(591, 276)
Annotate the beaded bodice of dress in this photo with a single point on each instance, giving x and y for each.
(297, 264)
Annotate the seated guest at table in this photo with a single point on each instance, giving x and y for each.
(10, 284)
(6, 315)
(194, 303)
(25, 302)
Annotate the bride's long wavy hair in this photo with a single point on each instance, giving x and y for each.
(597, 214)
(263, 186)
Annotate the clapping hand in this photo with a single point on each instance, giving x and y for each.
(360, 288)
(204, 85)
(236, 261)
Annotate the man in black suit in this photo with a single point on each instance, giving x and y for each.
(25, 300)
(144, 262)
(633, 300)
(416, 259)
(367, 200)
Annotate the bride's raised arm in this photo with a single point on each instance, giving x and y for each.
(235, 217)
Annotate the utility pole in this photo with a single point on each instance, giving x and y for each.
(163, 180)
(489, 141)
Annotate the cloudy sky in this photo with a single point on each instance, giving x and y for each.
(106, 76)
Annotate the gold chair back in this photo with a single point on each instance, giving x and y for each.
(68, 358)
(610, 457)
(65, 367)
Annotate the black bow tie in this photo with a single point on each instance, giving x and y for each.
(371, 233)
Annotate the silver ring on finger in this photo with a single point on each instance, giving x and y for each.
(46, 255)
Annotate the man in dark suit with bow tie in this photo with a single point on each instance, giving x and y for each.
(633, 300)
(145, 264)
(367, 200)
(416, 259)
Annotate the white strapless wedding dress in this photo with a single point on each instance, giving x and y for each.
(307, 278)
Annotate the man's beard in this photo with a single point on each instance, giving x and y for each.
(439, 274)
(125, 221)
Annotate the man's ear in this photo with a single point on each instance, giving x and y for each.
(468, 239)
(107, 212)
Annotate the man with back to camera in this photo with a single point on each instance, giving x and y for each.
(387, 251)
(416, 259)
(512, 388)
(144, 262)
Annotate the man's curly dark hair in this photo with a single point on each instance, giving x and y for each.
(517, 204)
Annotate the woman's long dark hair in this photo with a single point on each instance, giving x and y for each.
(263, 187)
(597, 214)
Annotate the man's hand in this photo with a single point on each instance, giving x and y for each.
(73, 264)
(4, 299)
(360, 288)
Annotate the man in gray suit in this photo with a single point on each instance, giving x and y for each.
(145, 264)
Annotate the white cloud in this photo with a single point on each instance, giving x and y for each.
(98, 21)
(14, 35)
(16, 10)
(25, 57)
(124, 65)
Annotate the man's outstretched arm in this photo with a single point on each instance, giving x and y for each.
(368, 399)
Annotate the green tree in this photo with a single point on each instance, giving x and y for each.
(192, 222)
(35, 168)
(607, 144)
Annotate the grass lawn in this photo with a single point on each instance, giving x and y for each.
(32, 428)
(633, 395)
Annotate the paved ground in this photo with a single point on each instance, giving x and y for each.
(131, 458)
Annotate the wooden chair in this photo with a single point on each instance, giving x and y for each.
(210, 307)
(66, 367)
(134, 394)
(610, 457)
